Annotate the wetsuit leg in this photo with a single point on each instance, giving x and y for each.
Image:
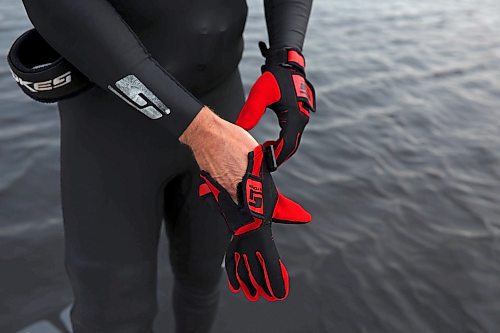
(113, 167)
(116, 170)
(198, 234)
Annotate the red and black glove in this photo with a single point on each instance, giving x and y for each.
(282, 87)
(253, 264)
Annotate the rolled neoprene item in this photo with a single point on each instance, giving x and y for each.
(41, 72)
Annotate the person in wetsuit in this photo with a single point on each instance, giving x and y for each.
(122, 175)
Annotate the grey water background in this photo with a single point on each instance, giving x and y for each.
(400, 167)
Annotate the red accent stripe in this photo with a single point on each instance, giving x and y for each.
(266, 276)
(296, 146)
(215, 191)
(233, 290)
(204, 190)
(246, 291)
(270, 143)
(248, 227)
(278, 149)
(257, 161)
(266, 294)
(286, 280)
(284, 275)
(256, 285)
(296, 57)
(236, 257)
(303, 110)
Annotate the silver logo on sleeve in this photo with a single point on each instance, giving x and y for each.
(136, 94)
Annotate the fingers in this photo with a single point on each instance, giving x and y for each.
(238, 277)
(288, 211)
(242, 274)
(231, 259)
(275, 276)
(257, 276)
(286, 146)
(290, 136)
(264, 92)
(282, 151)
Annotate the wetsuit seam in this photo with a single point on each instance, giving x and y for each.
(132, 32)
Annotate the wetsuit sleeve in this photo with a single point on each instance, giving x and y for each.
(93, 36)
(287, 22)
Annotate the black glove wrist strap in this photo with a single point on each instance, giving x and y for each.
(285, 57)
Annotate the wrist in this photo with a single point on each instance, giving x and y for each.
(201, 127)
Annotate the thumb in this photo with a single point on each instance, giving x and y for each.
(264, 92)
(288, 211)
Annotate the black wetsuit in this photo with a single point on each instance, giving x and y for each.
(121, 173)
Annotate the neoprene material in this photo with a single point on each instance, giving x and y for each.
(253, 264)
(284, 88)
(287, 22)
(119, 180)
(43, 75)
(163, 51)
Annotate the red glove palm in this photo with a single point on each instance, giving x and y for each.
(282, 87)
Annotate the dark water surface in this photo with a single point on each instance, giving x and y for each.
(400, 167)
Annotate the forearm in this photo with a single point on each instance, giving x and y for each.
(92, 36)
(287, 22)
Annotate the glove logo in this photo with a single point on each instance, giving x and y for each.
(254, 196)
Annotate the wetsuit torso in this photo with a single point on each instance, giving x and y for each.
(121, 174)
(206, 35)
(196, 41)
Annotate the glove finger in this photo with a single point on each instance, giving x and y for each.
(288, 211)
(232, 280)
(264, 92)
(244, 280)
(283, 151)
(276, 277)
(289, 147)
(288, 143)
(256, 274)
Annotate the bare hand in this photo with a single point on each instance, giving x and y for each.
(220, 148)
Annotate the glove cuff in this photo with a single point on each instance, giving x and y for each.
(286, 57)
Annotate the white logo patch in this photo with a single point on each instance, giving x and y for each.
(55, 83)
